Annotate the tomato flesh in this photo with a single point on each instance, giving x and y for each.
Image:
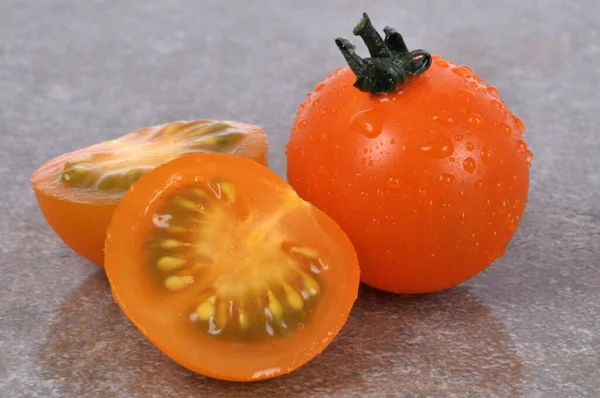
(225, 269)
(78, 191)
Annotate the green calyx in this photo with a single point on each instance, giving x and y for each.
(391, 65)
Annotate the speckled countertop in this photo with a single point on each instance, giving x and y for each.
(73, 73)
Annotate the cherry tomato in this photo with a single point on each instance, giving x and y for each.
(79, 191)
(429, 180)
(226, 270)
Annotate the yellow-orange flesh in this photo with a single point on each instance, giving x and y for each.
(78, 191)
(223, 267)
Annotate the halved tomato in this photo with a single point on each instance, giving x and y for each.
(227, 270)
(78, 192)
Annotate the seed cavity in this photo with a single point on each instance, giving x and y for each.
(186, 204)
(115, 165)
(242, 290)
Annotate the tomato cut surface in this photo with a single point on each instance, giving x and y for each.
(78, 191)
(226, 270)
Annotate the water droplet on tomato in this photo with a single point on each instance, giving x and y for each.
(469, 165)
(493, 91)
(497, 105)
(302, 124)
(519, 123)
(447, 178)
(506, 130)
(323, 111)
(344, 87)
(366, 123)
(466, 95)
(476, 120)
(442, 63)
(462, 71)
(473, 84)
(529, 155)
(393, 183)
(444, 117)
(316, 103)
(320, 86)
(499, 187)
(392, 141)
(521, 146)
(486, 155)
(440, 147)
(479, 184)
(469, 146)
(365, 150)
(458, 137)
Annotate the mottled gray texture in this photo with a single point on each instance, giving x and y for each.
(76, 72)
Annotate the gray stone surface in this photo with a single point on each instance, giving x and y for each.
(73, 73)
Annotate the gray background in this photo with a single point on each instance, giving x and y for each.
(73, 73)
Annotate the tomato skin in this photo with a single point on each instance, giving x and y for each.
(81, 226)
(168, 330)
(80, 217)
(429, 183)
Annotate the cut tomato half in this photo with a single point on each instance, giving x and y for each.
(78, 191)
(227, 270)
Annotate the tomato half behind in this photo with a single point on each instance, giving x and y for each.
(78, 192)
(226, 270)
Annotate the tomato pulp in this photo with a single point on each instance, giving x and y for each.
(78, 192)
(226, 270)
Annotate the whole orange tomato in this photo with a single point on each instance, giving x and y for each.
(417, 159)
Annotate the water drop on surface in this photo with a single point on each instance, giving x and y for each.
(466, 95)
(493, 91)
(519, 123)
(529, 156)
(444, 117)
(366, 123)
(521, 146)
(479, 184)
(469, 165)
(302, 124)
(440, 147)
(499, 187)
(486, 155)
(476, 120)
(469, 146)
(320, 86)
(497, 105)
(506, 130)
(442, 63)
(462, 71)
(447, 178)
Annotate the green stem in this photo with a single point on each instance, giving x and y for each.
(391, 65)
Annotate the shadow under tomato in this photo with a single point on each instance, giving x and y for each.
(439, 345)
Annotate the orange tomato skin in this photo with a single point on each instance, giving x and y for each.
(81, 226)
(429, 183)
